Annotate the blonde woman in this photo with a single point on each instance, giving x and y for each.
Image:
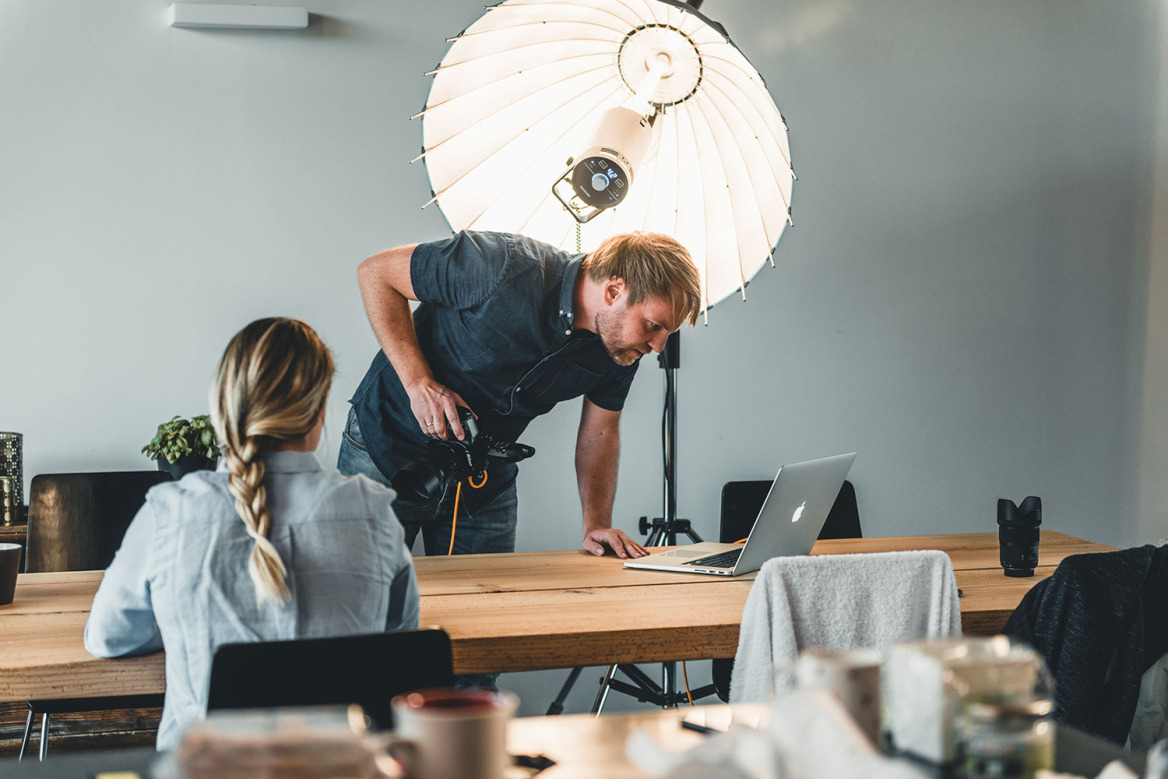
(270, 546)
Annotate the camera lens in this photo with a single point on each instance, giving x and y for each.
(1018, 535)
(420, 482)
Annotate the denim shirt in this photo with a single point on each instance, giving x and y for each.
(180, 580)
(496, 326)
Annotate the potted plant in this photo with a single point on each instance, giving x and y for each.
(181, 446)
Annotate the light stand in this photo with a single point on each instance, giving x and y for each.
(496, 131)
(661, 531)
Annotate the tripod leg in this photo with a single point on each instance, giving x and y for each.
(668, 672)
(602, 696)
(640, 678)
(44, 745)
(557, 706)
(27, 731)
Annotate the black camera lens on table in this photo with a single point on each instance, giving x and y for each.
(423, 482)
(1018, 535)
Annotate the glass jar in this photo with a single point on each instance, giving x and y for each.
(1006, 740)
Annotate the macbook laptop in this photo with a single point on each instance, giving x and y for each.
(787, 525)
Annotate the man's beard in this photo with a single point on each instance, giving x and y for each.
(621, 355)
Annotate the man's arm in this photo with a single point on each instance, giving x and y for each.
(387, 290)
(597, 457)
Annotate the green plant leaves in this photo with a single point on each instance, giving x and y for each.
(180, 437)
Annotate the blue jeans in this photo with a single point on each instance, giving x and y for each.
(489, 529)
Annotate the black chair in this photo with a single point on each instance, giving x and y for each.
(741, 502)
(1098, 622)
(366, 669)
(76, 522)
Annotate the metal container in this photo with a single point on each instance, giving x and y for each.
(1006, 740)
(12, 467)
(8, 510)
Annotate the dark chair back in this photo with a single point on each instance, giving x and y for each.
(1098, 622)
(741, 502)
(76, 521)
(367, 669)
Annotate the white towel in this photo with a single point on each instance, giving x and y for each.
(839, 602)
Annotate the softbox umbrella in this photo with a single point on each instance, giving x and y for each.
(523, 89)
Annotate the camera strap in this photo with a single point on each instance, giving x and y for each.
(457, 495)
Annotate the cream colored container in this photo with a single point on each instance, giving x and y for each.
(924, 684)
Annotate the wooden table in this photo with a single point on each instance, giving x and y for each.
(513, 612)
(587, 747)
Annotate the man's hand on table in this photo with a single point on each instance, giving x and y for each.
(597, 539)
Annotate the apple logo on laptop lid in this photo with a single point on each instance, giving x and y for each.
(798, 512)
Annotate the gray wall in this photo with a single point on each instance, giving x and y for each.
(970, 297)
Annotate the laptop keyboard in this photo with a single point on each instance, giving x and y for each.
(720, 560)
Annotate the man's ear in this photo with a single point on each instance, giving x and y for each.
(614, 288)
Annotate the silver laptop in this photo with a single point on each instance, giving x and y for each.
(787, 525)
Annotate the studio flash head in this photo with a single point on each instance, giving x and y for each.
(601, 175)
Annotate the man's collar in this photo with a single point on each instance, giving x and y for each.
(567, 293)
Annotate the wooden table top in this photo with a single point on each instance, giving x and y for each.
(585, 746)
(511, 612)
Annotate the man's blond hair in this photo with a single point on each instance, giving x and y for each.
(653, 265)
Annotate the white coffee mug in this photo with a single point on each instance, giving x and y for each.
(445, 733)
(852, 676)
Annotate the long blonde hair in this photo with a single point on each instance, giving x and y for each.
(271, 387)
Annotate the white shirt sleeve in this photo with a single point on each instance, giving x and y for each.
(121, 621)
(404, 600)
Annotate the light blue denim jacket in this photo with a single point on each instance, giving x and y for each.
(180, 578)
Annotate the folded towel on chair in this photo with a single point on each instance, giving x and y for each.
(839, 602)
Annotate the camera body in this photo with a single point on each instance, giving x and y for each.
(424, 481)
(1018, 535)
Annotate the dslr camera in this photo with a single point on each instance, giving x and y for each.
(424, 481)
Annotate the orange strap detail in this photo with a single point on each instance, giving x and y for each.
(454, 523)
(457, 495)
